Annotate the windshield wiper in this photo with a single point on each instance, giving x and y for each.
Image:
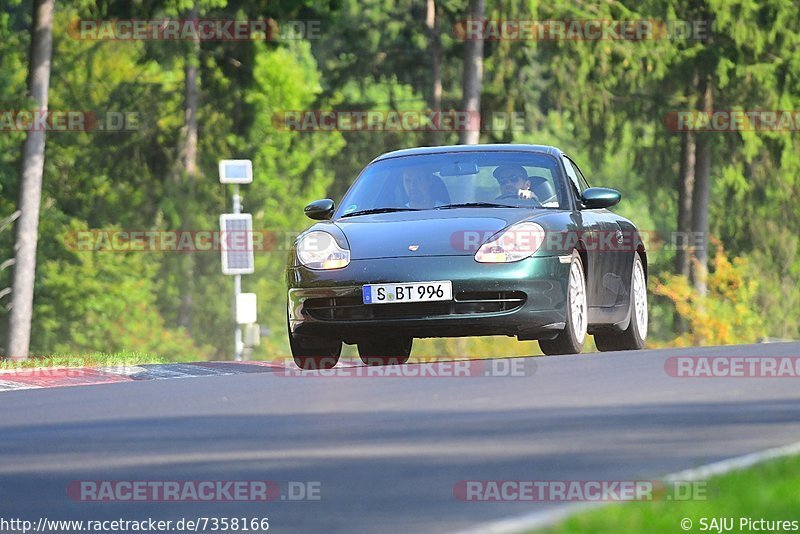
(376, 210)
(475, 205)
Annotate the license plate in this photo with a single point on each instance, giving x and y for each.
(408, 292)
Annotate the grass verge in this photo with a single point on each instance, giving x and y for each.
(94, 359)
(768, 491)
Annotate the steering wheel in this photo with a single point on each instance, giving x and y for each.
(510, 196)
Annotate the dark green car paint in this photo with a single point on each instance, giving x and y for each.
(380, 253)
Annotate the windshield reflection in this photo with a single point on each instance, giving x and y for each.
(465, 179)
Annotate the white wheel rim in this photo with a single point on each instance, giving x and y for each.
(640, 300)
(577, 301)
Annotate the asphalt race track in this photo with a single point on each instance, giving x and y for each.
(386, 451)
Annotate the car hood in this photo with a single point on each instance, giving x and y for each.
(451, 232)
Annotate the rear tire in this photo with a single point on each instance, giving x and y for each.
(385, 351)
(571, 339)
(632, 338)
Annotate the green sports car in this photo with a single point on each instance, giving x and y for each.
(466, 241)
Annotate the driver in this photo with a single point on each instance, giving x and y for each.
(514, 182)
(418, 186)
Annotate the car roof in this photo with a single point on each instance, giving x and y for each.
(507, 147)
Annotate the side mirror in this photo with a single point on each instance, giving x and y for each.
(600, 197)
(320, 210)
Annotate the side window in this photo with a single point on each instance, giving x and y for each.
(584, 184)
(573, 177)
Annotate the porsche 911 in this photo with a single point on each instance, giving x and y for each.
(471, 240)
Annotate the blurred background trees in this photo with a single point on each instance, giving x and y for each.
(604, 101)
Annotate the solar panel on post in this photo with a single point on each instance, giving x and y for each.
(237, 243)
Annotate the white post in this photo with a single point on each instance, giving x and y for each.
(238, 345)
(237, 172)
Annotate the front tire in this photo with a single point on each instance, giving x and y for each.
(571, 339)
(385, 351)
(314, 353)
(632, 338)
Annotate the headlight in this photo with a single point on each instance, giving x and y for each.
(319, 250)
(515, 243)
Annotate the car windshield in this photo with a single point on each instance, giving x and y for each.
(455, 179)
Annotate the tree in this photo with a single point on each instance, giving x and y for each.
(702, 192)
(19, 329)
(188, 157)
(473, 75)
(432, 25)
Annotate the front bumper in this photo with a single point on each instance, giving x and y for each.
(526, 299)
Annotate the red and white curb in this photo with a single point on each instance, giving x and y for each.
(51, 377)
(38, 378)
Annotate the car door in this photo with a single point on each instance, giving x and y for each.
(605, 242)
(589, 230)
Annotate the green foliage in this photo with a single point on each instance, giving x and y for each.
(766, 491)
(289, 171)
(727, 315)
(89, 359)
(115, 310)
